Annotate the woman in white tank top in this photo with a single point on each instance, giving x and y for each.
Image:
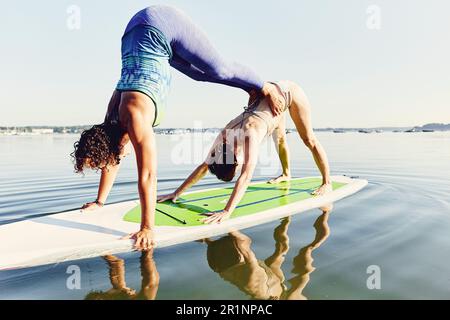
(237, 146)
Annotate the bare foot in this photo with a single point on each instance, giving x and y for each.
(324, 188)
(279, 179)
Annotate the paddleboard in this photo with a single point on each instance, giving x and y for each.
(77, 235)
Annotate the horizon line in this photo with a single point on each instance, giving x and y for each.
(327, 127)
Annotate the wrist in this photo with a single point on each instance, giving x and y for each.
(146, 228)
(100, 203)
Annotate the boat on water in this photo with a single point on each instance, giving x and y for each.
(427, 130)
(338, 131)
(364, 131)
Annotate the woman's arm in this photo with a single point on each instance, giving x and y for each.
(150, 276)
(142, 137)
(240, 187)
(109, 174)
(193, 178)
(251, 150)
(106, 182)
(107, 178)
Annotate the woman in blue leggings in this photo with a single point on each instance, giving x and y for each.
(155, 39)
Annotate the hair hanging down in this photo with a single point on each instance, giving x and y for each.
(100, 144)
(220, 167)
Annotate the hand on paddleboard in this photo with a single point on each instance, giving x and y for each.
(164, 197)
(90, 206)
(279, 179)
(215, 217)
(274, 98)
(144, 239)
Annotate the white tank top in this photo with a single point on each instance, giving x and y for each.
(260, 108)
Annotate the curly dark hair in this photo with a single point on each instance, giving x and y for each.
(100, 144)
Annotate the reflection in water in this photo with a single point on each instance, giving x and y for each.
(234, 260)
(119, 290)
(303, 266)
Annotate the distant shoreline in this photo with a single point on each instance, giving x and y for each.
(43, 130)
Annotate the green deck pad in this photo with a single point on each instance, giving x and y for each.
(188, 209)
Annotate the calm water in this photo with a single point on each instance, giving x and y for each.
(399, 223)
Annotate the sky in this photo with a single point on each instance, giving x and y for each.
(361, 63)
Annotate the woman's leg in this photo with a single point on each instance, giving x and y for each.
(195, 56)
(280, 235)
(300, 112)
